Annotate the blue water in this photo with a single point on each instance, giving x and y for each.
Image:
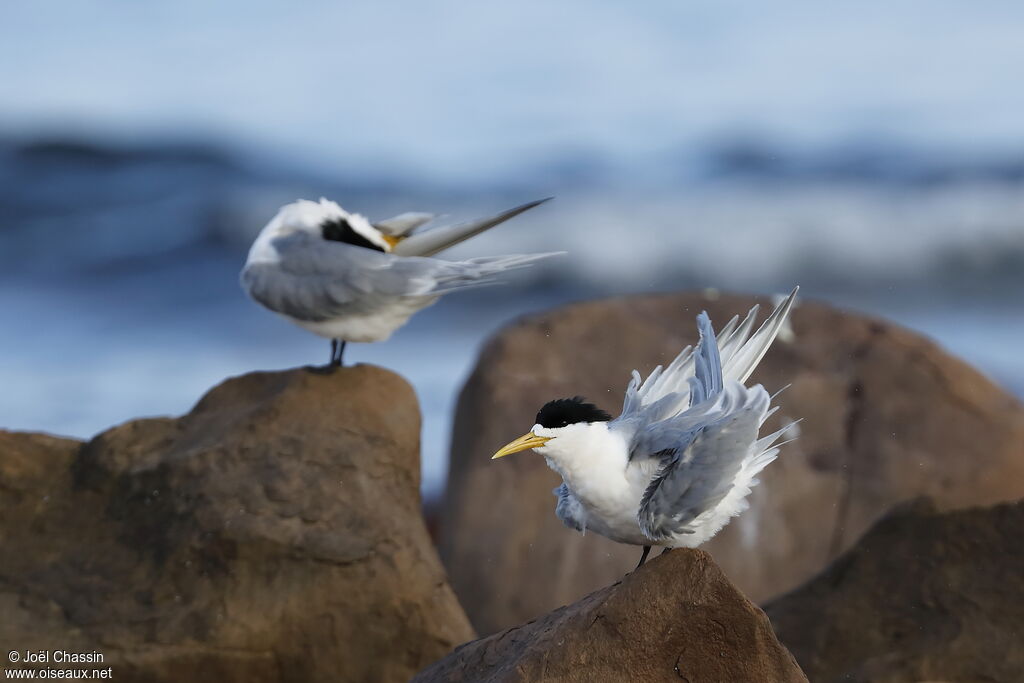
(119, 281)
(873, 154)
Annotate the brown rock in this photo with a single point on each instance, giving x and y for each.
(677, 618)
(272, 534)
(924, 596)
(887, 416)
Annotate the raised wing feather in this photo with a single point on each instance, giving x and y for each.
(695, 477)
(708, 454)
(666, 391)
(659, 427)
(742, 356)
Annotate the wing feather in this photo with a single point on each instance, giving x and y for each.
(698, 476)
(430, 242)
(315, 279)
(666, 391)
(698, 421)
(569, 509)
(403, 224)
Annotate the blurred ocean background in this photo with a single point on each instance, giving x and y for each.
(874, 154)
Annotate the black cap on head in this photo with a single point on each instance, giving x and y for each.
(567, 411)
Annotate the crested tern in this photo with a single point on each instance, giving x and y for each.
(341, 277)
(679, 461)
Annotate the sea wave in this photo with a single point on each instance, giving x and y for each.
(73, 206)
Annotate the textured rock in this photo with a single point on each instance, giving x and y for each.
(272, 534)
(677, 618)
(924, 596)
(887, 416)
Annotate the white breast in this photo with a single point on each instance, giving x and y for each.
(594, 464)
(371, 326)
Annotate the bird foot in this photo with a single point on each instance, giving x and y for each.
(643, 557)
(328, 369)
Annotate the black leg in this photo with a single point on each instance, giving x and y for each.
(666, 550)
(643, 558)
(337, 351)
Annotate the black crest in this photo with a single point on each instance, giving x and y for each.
(568, 411)
(338, 230)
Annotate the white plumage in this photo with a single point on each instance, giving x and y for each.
(339, 276)
(680, 460)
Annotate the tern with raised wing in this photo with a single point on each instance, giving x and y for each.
(343, 278)
(679, 461)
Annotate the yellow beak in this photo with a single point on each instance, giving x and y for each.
(392, 241)
(523, 443)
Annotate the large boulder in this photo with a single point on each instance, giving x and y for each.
(272, 534)
(887, 416)
(677, 618)
(924, 596)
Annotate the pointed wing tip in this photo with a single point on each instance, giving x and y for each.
(704, 327)
(788, 302)
(509, 214)
(783, 306)
(527, 206)
(430, 242)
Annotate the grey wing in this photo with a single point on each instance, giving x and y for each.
(652, 428)
(316, 279)
(694, 477)
(711, 448)
(568, 509)
(666, 391)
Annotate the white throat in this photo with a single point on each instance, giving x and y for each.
(587, 455)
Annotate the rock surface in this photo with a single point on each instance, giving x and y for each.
(924, 596)
(677, 618)
(272, 534)
(887, 416)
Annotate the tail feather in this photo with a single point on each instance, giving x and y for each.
(766, 449)
(480, 272)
